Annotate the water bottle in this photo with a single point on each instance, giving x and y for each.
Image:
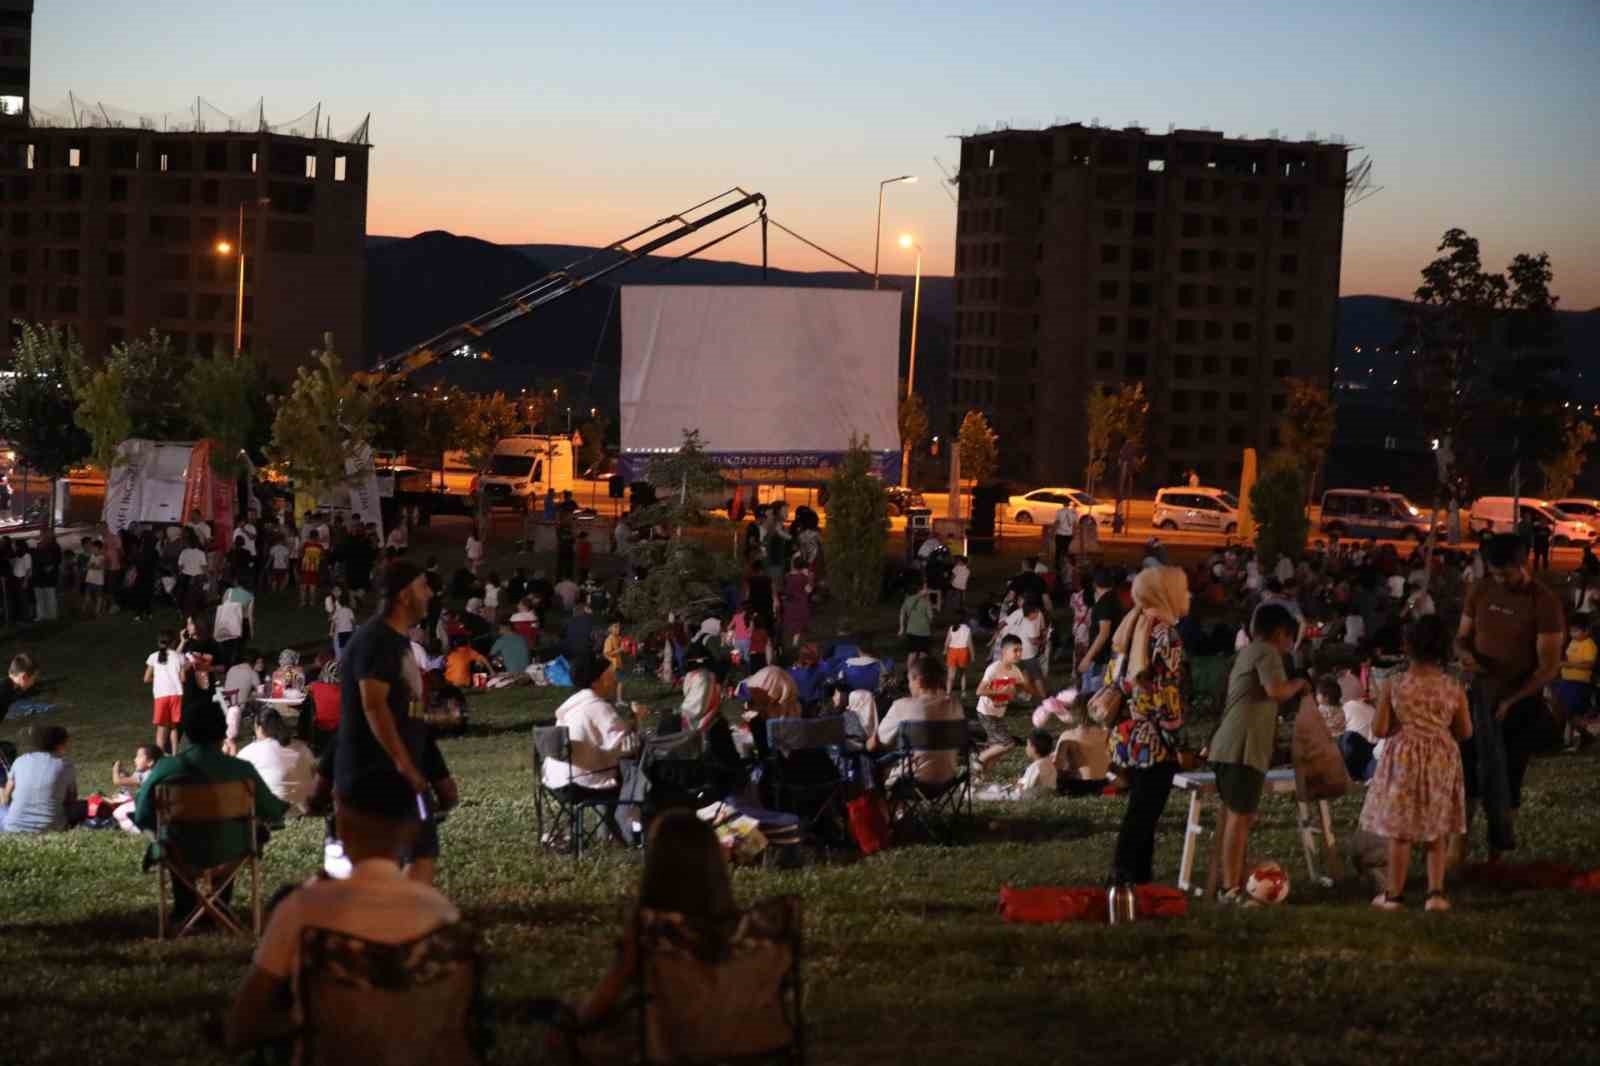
(1121, 905)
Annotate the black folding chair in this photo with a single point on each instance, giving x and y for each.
(672, 772)
(568, 807)
(913, 802)
(802, 775)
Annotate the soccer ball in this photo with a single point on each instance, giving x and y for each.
(1267, 883)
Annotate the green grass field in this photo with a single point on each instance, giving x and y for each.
(906, 958)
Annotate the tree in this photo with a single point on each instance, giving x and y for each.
(101, 412)
(481, 421)
(1561, 471)
(219, 395)
(152, 370)
(980, 450)
(320, 425)
(913, 431)
(593, 450)
(679, 574)
(36, 405)
(1306, 427)
(1115, 418)
(1278, 503)
(858, 528)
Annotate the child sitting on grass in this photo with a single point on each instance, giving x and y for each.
(145, 756)
(1038, 781)
(1082, 756)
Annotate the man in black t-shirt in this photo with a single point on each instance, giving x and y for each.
(383, 734)
(1104, 617)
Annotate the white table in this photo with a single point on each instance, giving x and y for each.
(289, 708)
(1200, 784)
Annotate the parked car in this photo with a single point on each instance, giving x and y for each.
(1578, 509)
(1492, 514)
(1209, 510)
(1372, 513)
(1041, 505)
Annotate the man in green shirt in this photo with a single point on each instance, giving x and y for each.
(916, 617)
(1241, 750)
(202, 763)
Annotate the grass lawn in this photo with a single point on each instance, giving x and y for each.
(906, 959)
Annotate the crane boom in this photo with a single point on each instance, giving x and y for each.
(559, 283)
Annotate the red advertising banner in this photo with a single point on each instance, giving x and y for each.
(197, 486)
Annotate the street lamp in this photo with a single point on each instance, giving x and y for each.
(877, 234)
(225, 248)
(911, 371)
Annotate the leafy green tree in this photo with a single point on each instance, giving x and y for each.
(36, 405)
(102, 412)
(1113, 417)
(220, 394)
(1561, 470)
(913, 431)
(858, 529)
(1278, 504)
(593, 450)
(1306, 427)
(980, 448)
(320, 424)
(680, 574)
(482, 419)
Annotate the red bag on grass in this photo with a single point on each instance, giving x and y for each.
(1044, 906)
(869, 822)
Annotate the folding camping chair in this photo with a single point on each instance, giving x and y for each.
(419, 1003)
(802, 776)
(911, 802)
(694, 1005)
(186, 813)
(671, 772)
(568, 805)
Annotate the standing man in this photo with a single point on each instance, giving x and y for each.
(385, 764)
(1510, 640)
(1104, 617)
(45, 557)
(1066, 525)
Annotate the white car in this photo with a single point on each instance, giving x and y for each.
(1492, 514)
(1040, 505)
(1209, 510)
(1578, 509)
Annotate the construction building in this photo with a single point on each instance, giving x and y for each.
(112, 223)
(1088, 258)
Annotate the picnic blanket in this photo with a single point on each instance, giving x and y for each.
(1047, 905)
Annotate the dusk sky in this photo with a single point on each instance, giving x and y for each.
(577, 123)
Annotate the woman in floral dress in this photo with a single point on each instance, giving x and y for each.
(1144, 748)
(1418, 794)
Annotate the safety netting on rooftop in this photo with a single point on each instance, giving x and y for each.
(201, 116)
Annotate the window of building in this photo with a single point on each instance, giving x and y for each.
(114, 302)
(1182, 366)
(1189, 260)
(19, 223)
(1108, 291)
(1279, 402)
(1235, 434)
(311, 165)
(118, 190)
(1280, 368)
(1210, 365)
(1239, 366)
(1107, 326)
(217, 156)
(1180, 401)
(1244, 296)
(69, 261)
(1219, 226)
(1194, 225)
(1283, 333)
(1247, 260)
(1288, 264)
(19, 261)
(175, 267)
(1144, 224)
(1213, 331)
(1105, 361)
(1249, 227)
(1140, 294)
(1213, 295)
(1286, 299)
(67, 300)
(1194, 190)
(1144, 259)
(19, 297)
(1135, 364)
(1209, 401)
(174, 305)
(1179, 437)
(1238, 401)
(117, 227)
(1138, 329)
(1186, 295)
(1217, 259)
(1110, 253)
(1188, 331)
(211, 192)
(1112, 219)
(1250, 192)
(1206, 433)
(69, 225)
(1291, 228)
(1241, 331)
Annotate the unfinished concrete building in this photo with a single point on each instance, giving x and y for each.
(1205, 267)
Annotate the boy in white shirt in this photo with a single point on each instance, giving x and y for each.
(960, 574)
(1001, 682)
(1037, 782)
(278, 561)
(957, 655)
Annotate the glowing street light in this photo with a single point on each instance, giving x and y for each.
(226, 248)
(907, 242)
(877, 234)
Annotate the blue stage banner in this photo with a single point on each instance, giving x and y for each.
(773, 468)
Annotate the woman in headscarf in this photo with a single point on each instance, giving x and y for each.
(1144, 745)
(701, 711)
(770, 692)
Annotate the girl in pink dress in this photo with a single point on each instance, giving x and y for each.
(1418, 794)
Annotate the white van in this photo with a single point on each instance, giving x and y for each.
(1211, 510)
(1492, 514)
(523, 467)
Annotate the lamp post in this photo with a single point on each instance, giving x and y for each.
(911, 371)
(877, 234)
(224, 248)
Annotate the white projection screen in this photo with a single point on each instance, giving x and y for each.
(775, 379)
